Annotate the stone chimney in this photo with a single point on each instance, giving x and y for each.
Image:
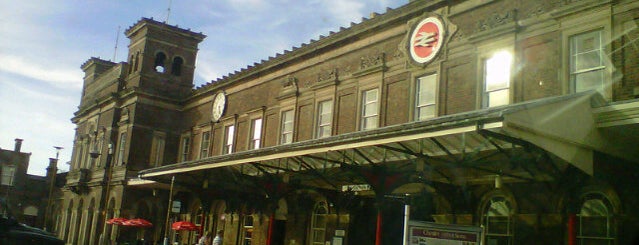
(18, 145)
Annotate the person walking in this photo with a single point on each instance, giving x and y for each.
(218, 237)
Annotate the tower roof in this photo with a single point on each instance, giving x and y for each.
(151, 22)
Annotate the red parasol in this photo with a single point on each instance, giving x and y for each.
(184, 226)
(116, 221)
(137, 223)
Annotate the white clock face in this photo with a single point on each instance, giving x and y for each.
(219, 104)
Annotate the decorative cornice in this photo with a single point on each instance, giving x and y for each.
(371, 64)
(289, 88)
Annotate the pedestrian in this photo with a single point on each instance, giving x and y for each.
(205, 239)
(218, 237)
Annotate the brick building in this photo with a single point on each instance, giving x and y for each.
(27, 195)
(516, 116)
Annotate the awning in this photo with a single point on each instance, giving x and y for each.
(455, 149)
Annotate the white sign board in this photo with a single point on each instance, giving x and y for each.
(427, 233)
(175, 207)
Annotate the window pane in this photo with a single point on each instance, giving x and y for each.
(499, 97)
(589, 80)
(371, 95)
(497, 71)
(370, 122)
(426, 88)
(426, 112)
(588, 60)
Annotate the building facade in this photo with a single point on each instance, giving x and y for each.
(516, 116)
(27, 196)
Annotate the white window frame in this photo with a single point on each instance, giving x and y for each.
(185, 148)
(255, 140)
(574, 61)
(488, 213)
(584, 214)
(319, 221)
(229, 139)
(365, 104)
(597, 19)
(420, 90)
(494, 73)
(121, 149)
(205, 144)
(287, 126)
(8, 175)
(324, 119)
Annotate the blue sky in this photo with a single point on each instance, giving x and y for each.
(44, 42)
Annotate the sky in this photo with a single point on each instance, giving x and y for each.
(44, 42)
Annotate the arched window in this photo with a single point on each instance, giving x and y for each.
(318, 223)
(136, 61)
(596, 221)
(247, 229)
(176, 68)
(497, 219)
(159, 62)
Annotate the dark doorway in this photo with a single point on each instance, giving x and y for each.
(279, 229)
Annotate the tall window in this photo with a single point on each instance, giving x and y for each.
(324, 118)
(596, 223)
(159, 62)
(186, 148)
(497, 79)
(157, 150)
(498, 221)
(121, 148)
(425, 99)
(318, 223)
(370, 109)
(176, 68)
(8, 172)
(256, 133)
(287, 127)
(247, 230)
(229, 136)
(204, 146)
(586, 62)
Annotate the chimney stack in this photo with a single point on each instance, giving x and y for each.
(18, 145)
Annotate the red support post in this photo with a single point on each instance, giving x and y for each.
(572, 238)
(270, 229)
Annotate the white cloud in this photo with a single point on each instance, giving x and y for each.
(19, 66)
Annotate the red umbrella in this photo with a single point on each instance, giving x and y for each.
(137, 223)
(184, 226)
(116, 221)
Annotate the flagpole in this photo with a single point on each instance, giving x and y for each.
(168, 212)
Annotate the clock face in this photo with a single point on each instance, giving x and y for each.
(219, 104)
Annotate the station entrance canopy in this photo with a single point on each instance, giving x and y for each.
(530, 141)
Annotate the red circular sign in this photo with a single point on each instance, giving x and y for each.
(426, 40)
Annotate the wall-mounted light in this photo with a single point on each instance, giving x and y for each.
(498, 182)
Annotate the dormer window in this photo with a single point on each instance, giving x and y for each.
(159, 62)
(176, 68)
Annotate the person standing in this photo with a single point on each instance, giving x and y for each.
(218, 237)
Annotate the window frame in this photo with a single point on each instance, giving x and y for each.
(8, 179)
(318, 234)
(485, 90)
(320, 126)
(611, 228)
(157, 149)
(228, 144)
(185, 148)
(121, 148)
(363, 106)
(286, 135)
(594, 20)
(418, 92)
(255, 133)
(573, 71)
(205, 144)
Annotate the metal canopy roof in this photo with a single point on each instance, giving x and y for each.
(458, 149)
